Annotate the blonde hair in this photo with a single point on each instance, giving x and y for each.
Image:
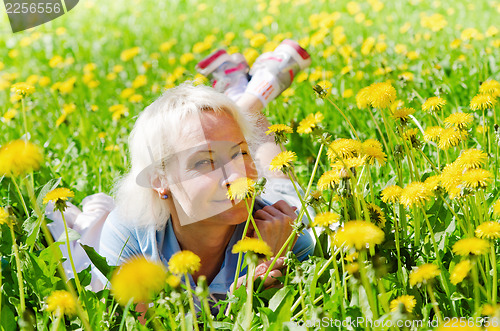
(157, 130)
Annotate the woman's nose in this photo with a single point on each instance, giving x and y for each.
(231, 172)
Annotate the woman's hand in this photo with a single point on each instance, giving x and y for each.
(275, 224)
(261, 270)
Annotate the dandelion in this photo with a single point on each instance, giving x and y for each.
(363, 98)
(382, 95)
(408, 302)
(477, 178)
(403, 114)
(460, 271)
(4, 216)
(326, 219)
(282, 161)
(416, 193)
(279, 129)
(372, 149)
(61, 302)
(410, 134)
(377, 216)
(471, 246)
(482, 102)
(424, 274)
(491, 87)
(496, 209)
(138, 279)
(257, 246)
(23, 89)
(241, 188)
(451, 179)
(19, 157)
(460, 121)
(471, 158)
(310, 122)
(59, 196)
(328, 179)
(488, 230)
(451, 137)
(129, 54)
(173, 281)
(432, 182)
(184, 262)
(344, 148)
(433, 104)
(358, 234)
(433, 133)
(391, 194)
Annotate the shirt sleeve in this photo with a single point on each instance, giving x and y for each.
(118, 241)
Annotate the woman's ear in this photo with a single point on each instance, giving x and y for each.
(161, 188)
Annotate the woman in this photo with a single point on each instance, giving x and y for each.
(186, 149)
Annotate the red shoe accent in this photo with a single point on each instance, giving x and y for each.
(207, 61)
(302, 52)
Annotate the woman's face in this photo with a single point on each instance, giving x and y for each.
(213, 154)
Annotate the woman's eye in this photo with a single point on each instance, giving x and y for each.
(202, 163)
(240, 153)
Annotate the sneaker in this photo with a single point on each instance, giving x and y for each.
(285, 62)
(275, 71)
(224, 70)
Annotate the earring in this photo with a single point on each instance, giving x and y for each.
(164, 196)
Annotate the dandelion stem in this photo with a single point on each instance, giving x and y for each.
(398, 250)
(381, 135)
(70, 255)
(208, 314)
(125, 314)
(21, 197)
(55, 324)
(345, 117)
(183, 316)
(475, 278)
(435, 305)
(191, 301)
(248, 305)
(494, 287)
(428, 160)
(22, 303)
(25, 120)
(366, 283)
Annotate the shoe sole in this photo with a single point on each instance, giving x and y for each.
(212, 62)
(299, 54)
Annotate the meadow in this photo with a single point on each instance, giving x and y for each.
(395, 133)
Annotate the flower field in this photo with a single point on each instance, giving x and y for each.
(393, 134)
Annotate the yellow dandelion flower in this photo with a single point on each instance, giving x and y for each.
(282, 161)
(173, 281)
(415, 194)
(344, 148)
(136, 98)
(451, 137)
(391, 194)
(138, 279)
(471, 246)
(19, 157)
(58, 194)
(433, 104)
(488, 230)
(328, 180)
(423, 274)
(259, 247)
(496, 209)
(363, 98)
(477, 178)
(241, 188)
(460, 121)
(482, 102)
(61, 302)
(358, 234)
(377, 216)
(408, 302)
(4, 216)
(410, 134)
(22, 89)
(460, 271)
(382, 95)
(433, 133)
(326, 219)
(372, 149)
(472, 158)
(279, 129)
(490, 310)
(451, 179)
(310, 122)
(139, 81)
(343, 165)
(403, 114)
(491, 87)
(432, 182)
(129, 54)
(184, 262)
